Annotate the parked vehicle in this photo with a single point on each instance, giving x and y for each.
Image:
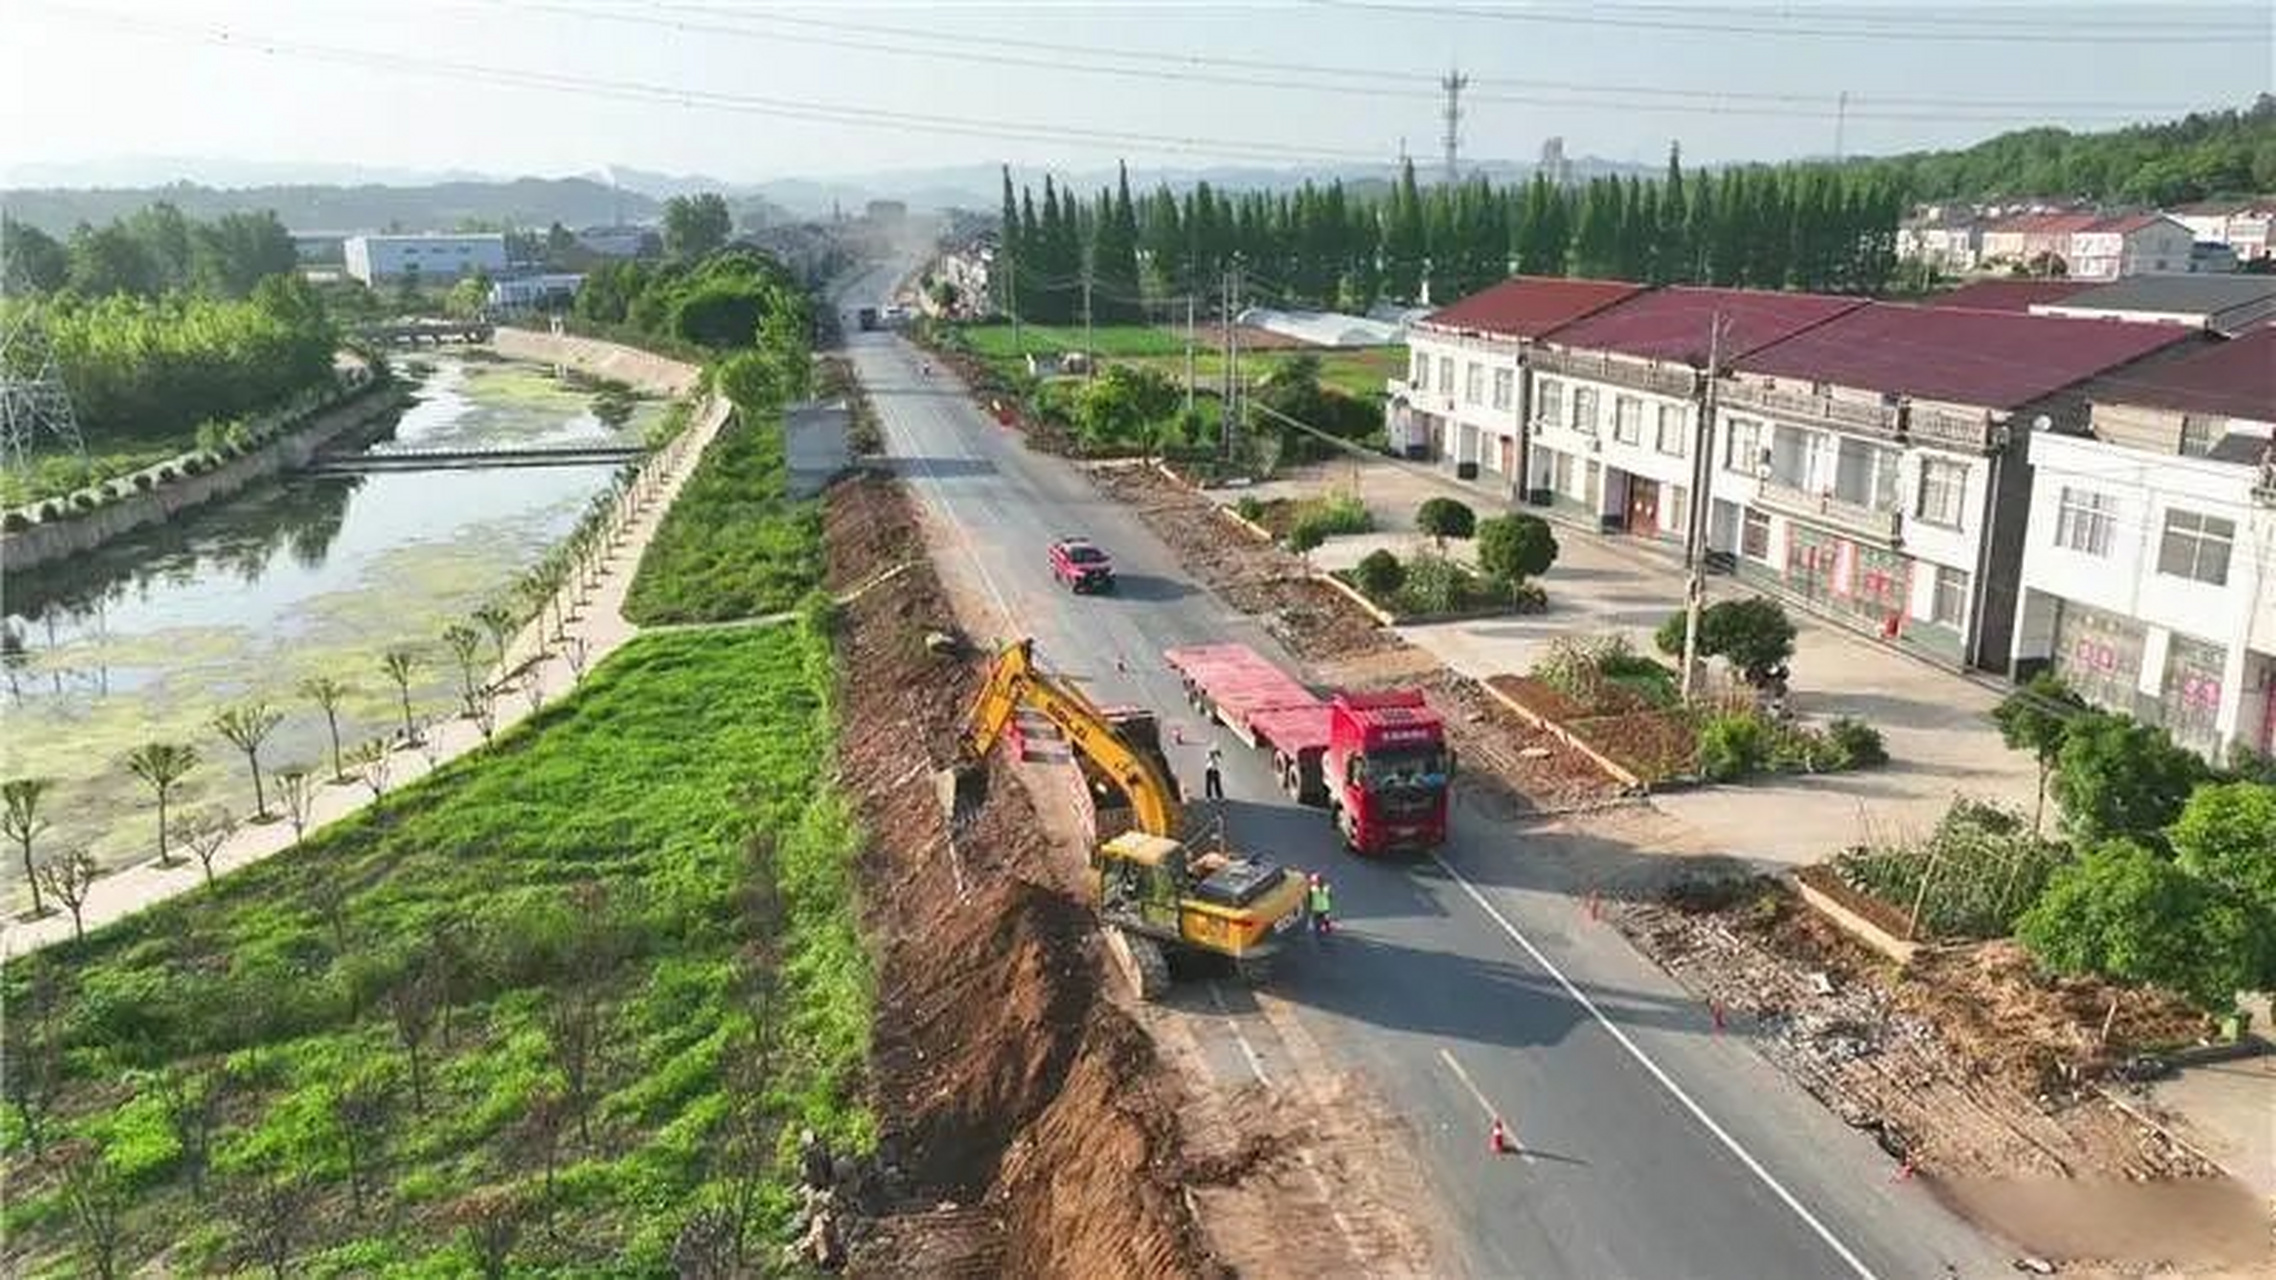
(1082, 565)
(867, 318)
(1377, 760)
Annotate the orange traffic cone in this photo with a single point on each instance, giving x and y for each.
(1904, 1171)
(1497, 1139)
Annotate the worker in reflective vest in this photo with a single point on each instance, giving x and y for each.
(1320, 901)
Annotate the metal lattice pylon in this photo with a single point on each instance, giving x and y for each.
(34, 404)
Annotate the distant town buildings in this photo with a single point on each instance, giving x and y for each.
(2244, 226)
(619, 241)
(375, 259)
(1553, 165)
(2048, 238)
(968, 268)
(549, 291)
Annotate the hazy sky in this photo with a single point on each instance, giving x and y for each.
(752, 91)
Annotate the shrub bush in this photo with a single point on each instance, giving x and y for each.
(84, 500)
(1379, 574)
(1433, 585)
(168, 472)
(1339, 513)
(1513, 548)
(1307, 535)
(51, 510)
(1857, 745)
(142, 482)
(15, 522)
(1529, 597)
(1733, 746)
(1444, 518)
(1249, 509)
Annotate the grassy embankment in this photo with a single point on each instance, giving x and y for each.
(733, 545)
(540, 1010)
(1358, 373)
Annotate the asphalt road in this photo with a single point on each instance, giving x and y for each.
(1463, 987)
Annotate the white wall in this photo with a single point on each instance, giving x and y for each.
(1487, 426)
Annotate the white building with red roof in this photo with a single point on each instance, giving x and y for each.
(2131, 244)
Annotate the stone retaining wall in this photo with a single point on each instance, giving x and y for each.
(48, 542)
(642, 369)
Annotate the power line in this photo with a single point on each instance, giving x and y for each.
(1359, 81)
(1910, 30)
(749, 104)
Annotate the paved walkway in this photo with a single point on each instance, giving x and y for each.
(596, 619)
(1936, 722)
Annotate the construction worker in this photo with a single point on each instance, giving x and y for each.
(1213, 777)
(1320, 902)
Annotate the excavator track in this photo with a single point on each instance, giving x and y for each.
(1140, 961)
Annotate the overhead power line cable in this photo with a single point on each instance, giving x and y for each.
(2060, 29)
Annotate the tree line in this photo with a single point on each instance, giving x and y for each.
(1811, 227)
(150, 253)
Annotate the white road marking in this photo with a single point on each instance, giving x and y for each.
(1667, 1082)
(1232, 1024)
(1486, 1105)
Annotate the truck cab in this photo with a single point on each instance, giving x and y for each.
(1388, 770)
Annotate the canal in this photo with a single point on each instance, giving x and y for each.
(152, 635)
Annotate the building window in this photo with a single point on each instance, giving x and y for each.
(1754, 535)
(1942, 486)
(1671, 430)
(1505, 380)
(1446, 374)
(1742, 446)
(1473, 383)
(1950, 606)
(1627, 419)
(2199, 434)
(1421, 377)
(1584, 410)
(2086, 521)
(1551, 409)
(2196, 547)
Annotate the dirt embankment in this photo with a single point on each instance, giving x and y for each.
(1029, 1112)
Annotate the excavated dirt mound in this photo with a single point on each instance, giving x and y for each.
(1027, 1110)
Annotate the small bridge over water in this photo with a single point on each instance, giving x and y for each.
(583, 455)
(412, 333)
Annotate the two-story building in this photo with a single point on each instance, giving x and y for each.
(1616, 398)
(2243, 225)
(1949, 239)
(2221, 304)
(1874, 465)
(2131, 244)
(2038, 242)
(2149, 572)
(1464, 400)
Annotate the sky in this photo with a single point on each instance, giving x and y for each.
(751, 92)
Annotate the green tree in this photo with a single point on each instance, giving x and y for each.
(399, 665)
(233, 254)
(328, 694)
(2037, 718)
(247, 726)
(108, 260)
(1379, 574)
(2122, 911)
(751, 382)
(1514, 548)
(31, 260)
(2226, 835)
(470, 297)
(695, 225)
(1121, 404)
(1444, 518)
(21, 822)
(162, 765)
(2116, 777)
(1754, 635)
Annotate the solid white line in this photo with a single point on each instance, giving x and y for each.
(1493, 1113)
(1667, 1082)
(1249, 1051)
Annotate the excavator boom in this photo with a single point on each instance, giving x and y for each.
(1014, 680)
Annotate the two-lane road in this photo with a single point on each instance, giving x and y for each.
(1463, 987)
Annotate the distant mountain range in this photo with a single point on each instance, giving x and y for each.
(331, 197)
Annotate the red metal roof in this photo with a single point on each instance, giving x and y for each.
(1673, 323)
(2008, 295)
(2235, 379)
(1530, 306)
(2125, 223)
(2047, 224)
(1988, 358)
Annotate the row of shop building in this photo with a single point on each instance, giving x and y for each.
(1996, 489)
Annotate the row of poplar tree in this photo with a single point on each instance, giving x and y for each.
(1810, 227)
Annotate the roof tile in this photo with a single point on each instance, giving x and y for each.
(1673, 323)
(2008, 295)
(2236, 379)
(1531, 306)
(1993, 359)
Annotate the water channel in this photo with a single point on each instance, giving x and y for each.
(150, 636)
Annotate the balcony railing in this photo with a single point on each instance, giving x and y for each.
(1597, 367)
(1824, 508)
(1819, 411)
(1952, 430)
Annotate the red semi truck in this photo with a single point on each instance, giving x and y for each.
(1378, 761)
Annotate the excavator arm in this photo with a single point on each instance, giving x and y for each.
(1015, 681)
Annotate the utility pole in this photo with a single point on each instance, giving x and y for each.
(1089, 359)
(1189, 355)
(1695, 532)
(1840, 123)
(1232, 358)
(1454, 82)
(1011, 290)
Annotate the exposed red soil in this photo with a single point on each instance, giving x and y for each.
(1009, 1085)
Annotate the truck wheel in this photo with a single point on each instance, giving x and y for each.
(1344, 831)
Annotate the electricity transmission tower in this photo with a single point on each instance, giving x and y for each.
(1454, 83)
(33, 401)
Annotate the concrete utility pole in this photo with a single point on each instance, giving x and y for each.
(1454, 82)
(1189, 354)
(1011, 300)
(1089, 359)
(1232, 358)
(1840, 123)
(1695, 531)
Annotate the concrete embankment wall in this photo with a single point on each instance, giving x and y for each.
(46, 543)
(601, 359)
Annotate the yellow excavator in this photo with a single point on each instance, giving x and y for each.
(1158, 896)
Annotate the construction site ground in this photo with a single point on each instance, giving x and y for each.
(1048, 1127)
(1974, 1074)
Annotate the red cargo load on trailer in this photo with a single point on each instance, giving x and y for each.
(1378, 760)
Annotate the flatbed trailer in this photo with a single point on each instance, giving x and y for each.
(1377, 760)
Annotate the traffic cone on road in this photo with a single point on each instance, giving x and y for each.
(1497, 1139)
(1904, 1171)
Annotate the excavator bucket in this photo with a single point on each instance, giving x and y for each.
(963, 788)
